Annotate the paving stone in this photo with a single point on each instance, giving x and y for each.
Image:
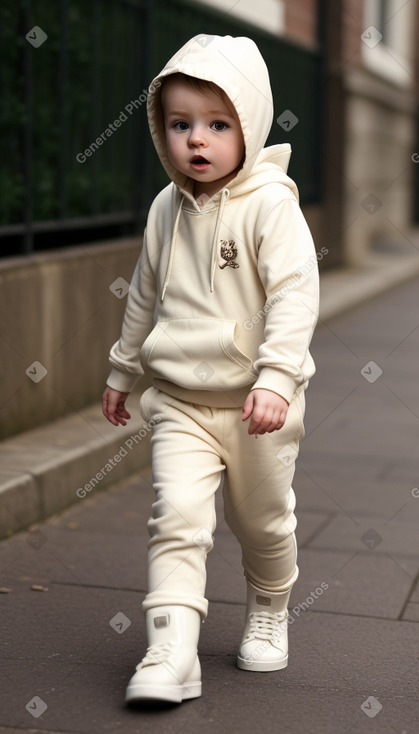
(364, 584)
(393, 536)
(356, 427)
(411, 613)
(76, 557)
(309, 524)
(379, 499)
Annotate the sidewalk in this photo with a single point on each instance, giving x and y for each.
(42, 469)
(68, 650)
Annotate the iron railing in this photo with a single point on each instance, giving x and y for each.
(77, 160)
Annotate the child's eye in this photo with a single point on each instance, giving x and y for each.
(181, 125)
(219, 126)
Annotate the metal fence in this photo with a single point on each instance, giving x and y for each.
(77, 160)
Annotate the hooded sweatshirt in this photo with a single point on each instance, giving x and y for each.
(224, 297)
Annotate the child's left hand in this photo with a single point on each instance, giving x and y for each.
(267, 409)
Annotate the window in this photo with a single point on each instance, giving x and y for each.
(387, 39)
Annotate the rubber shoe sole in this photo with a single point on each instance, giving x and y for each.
(260, 666)
(175, 694)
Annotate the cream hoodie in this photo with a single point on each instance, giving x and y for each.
(224, 298)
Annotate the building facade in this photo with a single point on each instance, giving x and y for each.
(369, 146)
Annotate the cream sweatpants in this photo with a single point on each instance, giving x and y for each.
(192, 447)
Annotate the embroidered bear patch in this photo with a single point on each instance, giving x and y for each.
(229, 253)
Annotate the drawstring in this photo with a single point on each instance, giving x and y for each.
(172, 249)
(224, 196)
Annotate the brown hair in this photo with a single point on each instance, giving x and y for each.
(199, 85)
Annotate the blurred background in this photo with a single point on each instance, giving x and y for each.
(79, 170)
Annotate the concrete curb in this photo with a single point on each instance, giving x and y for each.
(42, 469)
(47, 469)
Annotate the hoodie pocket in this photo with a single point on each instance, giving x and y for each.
(198, 354)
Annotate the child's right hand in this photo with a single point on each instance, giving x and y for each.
(113, 406)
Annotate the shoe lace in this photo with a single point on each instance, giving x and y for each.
(156, 654)
(264, 625)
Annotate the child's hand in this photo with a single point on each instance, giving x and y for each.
(267, 409)
(113, 406)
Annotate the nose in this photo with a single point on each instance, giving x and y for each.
(197, 137)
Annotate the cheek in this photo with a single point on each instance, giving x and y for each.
(238, 152)
(173, 147)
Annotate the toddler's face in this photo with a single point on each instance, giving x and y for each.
(203, 135)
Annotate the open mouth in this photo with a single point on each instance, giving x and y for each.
(199, 162)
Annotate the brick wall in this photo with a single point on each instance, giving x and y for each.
(301, 21)
(353, 15)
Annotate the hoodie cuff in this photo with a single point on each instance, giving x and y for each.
(121, 381)
(271, 379)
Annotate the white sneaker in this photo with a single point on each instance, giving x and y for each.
(264, 646)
